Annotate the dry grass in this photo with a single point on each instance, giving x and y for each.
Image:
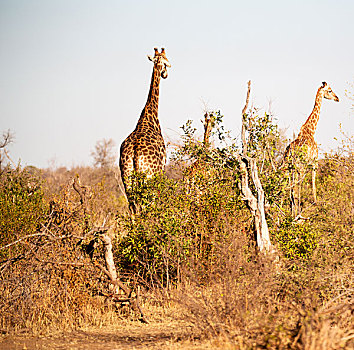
(52, 295)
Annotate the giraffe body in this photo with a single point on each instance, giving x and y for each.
(305, 141)
(307, 131)
(144, 149)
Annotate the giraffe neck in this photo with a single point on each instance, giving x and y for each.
(207, 130)
(311, 123)
(149, 115)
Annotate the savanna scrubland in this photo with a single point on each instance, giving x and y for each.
(188, 256)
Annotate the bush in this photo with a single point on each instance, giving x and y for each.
(22, 207)
(296, 240)
(49, 282)
(192, 239)
(177, 221)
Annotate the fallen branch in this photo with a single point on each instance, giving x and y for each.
(110, 270)
(23, 238)
(111, 273)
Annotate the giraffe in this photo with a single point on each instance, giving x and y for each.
(200, 164)
(198, 172)
(305, 141)
(144, 149)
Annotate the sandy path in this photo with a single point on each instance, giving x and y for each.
(128, 336)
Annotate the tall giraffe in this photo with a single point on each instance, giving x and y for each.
(144, 149)
(305, 141)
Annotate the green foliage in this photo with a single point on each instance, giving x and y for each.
(193, 149)
(266, 145)
(177, 221)
(22, 207)
(263, 136)
(297, 241)
(335, 209)
(181, 220)
(194, 230)
(154, 232)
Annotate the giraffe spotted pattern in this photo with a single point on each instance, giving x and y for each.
(305, 141)
(144, 149)
(307, 131)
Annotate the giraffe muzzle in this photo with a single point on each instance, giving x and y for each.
(164, 74)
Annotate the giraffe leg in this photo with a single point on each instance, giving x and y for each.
(296, 193)
(314, 184)
(293, 197)
(298, 207)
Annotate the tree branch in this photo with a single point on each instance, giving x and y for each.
(23, 238)
(243, 130)
(7, 138)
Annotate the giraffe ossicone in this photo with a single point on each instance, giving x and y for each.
(144, 149)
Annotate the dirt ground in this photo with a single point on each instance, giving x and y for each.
(128, 336)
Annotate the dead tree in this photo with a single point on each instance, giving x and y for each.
(244, 114)
(254, 202)
(6, 139)
(110, 269)
(104, 154)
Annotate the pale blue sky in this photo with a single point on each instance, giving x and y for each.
(73, 72)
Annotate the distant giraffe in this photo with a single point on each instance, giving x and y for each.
(305, 141)
(200, 164)
(144, 149)
(199, 173)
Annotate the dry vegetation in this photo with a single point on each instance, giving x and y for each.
(188, 254)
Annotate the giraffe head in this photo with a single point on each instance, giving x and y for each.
(328, 93)
(160, 62)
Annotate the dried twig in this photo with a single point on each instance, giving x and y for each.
(23, 238)
(7, 138)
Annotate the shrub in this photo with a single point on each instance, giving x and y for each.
(296, 240)
(177, 221)
(22, 207)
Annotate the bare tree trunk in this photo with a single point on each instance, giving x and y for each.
(243, 130)
(255, 204)
(263, 240)
(111, 272)
(108, 256)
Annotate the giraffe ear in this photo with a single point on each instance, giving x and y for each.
(150, 58)
(324, 84)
